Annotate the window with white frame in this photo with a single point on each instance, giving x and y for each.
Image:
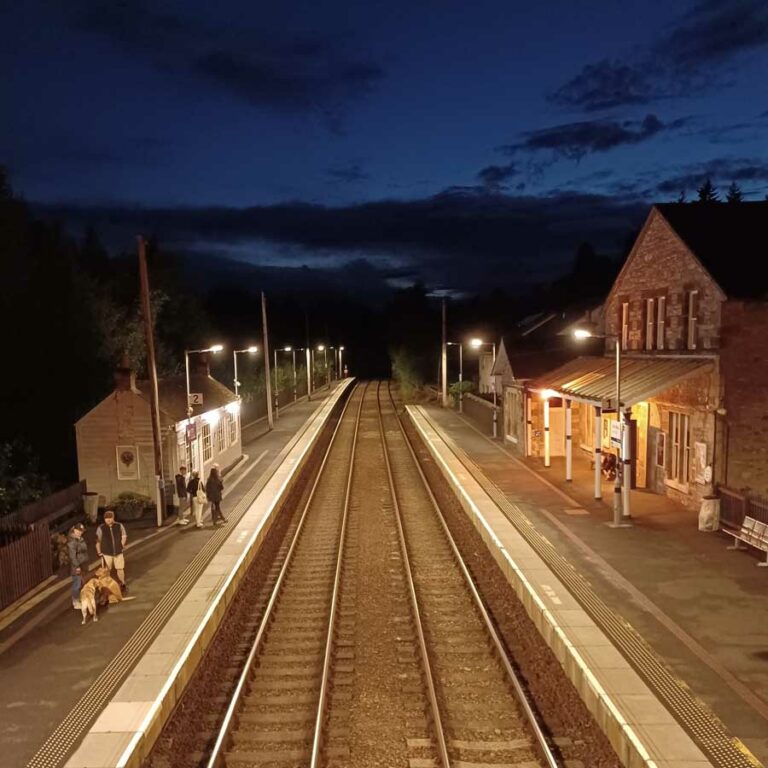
(692, 321)
(221, 436)
(624, 324)
(661, 321)
(232, 419)
(679, 449)
(207, 448)
(650, 323)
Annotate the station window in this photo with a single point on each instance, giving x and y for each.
(232, 428)
(679, 453)
(221, 436)
(650, 323)
(207, 450)
(692, 313)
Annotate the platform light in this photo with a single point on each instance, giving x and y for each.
(252, 350)
(320, 347)
(233, 408)
(475, 343)
(547, 393)
(582, 333)
(216, 348)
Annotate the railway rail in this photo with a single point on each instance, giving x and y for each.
(374, 646)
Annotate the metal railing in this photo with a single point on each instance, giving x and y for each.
(735, 506)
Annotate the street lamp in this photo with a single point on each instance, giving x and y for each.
(322, 348)
(235, 353)
(341, 368)
(620, 520)
(476, 344)
(295, 382)
(280, 349)
(461, 371)
(187, 352)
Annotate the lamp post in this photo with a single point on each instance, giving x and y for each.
(341, 367)
(476, 344)
(277, 403)
(621, 517)
(334, 365)
(322, 348)
(461, 371)
(295, 381)
(251, 350)
(187, 352)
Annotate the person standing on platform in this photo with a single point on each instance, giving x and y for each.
(197, 497)
(214, 489)
(111, 538)
(185, 509)
(78, 558)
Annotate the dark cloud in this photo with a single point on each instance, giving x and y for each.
(722, 171)
(260, 67)
(494, 176)
(686, 60)
(349, 174)
(574, 140)
(510, 241)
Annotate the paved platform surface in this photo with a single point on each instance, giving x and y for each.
(47, 660)
(703, 609)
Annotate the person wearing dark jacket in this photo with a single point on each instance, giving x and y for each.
(198, 504)
(181, 491)
(213, 489)
(78, 559)
(111, 538)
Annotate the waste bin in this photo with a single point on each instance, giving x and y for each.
(709, 514)
(91, 506)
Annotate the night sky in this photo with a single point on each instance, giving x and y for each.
(466, 144)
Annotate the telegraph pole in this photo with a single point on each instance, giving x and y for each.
(270, 420)
(146, 309)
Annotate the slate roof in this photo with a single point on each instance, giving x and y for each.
(730, 240)
(172, 393)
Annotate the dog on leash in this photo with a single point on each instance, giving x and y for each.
(89, 599)
(111, 591)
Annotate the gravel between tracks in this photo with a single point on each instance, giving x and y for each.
(561, 708)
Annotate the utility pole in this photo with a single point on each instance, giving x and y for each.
(444, 358)
(310, 375)
(146, 309)
(270, 420)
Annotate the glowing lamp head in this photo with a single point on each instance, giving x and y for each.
(341, 349)
(233, 407)
(212, 418)
(547, 393)
(475, 343)
(320, 347)
(253, 350)
(216, 348)
(582, 333)
(287, 349)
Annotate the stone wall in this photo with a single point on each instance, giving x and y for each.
(661, 265)
(744, 360)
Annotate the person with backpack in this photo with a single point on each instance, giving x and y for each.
(198, 499)
(111, 538)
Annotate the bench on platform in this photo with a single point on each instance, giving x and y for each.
(752, 532)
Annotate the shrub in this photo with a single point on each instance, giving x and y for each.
(130, 506)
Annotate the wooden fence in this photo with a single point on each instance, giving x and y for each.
(24, 563)
(735, 506)
(47, 508)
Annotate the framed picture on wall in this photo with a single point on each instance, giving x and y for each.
(127, 462)
(661, 448)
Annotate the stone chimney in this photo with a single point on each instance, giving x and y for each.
(199, 365)
(125, 376)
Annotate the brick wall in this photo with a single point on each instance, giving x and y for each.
(660, 265)
(744, 361)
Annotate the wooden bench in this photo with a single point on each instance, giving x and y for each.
(752, 532)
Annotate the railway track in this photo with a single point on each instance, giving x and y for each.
(374, 648)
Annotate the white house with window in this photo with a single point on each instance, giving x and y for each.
(114, 439)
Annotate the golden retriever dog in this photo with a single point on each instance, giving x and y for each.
(110, 588)
(89, 597)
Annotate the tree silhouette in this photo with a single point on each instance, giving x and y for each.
(681, 197)
(708, 192)
(734, 193)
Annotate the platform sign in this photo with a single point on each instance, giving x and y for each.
(616, 433)
(194, 398)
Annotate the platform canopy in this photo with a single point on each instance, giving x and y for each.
(593, 379)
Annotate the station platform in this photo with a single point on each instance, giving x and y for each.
(690, 615)
(50, 664)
